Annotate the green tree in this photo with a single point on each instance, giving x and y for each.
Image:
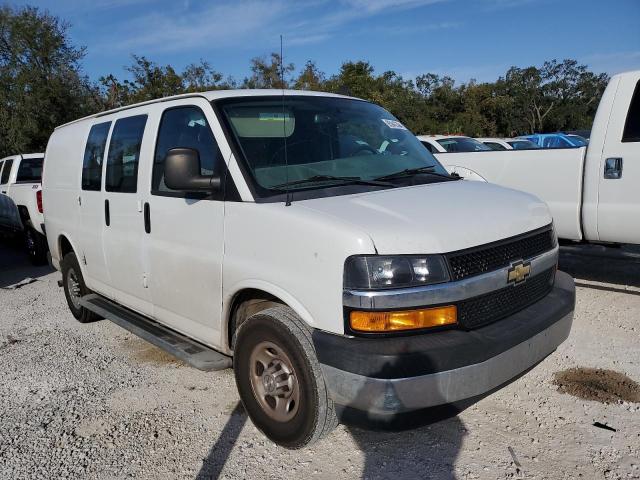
(41, 84)
(268, 73)
(310, 78)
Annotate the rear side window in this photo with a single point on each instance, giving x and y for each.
(430, 147)
(494, 146)
(124, 154)
(184, 127)
(94, 156)
(6, 171)
(30, 170)
(631, 131)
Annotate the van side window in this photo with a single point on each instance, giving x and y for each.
(6, 171)
(184, 127)
(94, 156)
(124, 153)
(631, 131)
(1, 163)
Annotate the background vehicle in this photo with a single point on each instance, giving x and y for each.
(314, 239)
(451, 143)
(21, 202)
(579, 138)
(592, 191)
(555, 140)
(508, 143)
(586, 134)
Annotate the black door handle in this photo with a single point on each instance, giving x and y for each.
(147, 218)
(107, 217)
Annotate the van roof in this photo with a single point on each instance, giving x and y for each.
(215, 95)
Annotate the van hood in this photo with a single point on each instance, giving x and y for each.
(437, 217)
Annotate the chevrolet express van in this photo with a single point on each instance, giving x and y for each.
(311, 242)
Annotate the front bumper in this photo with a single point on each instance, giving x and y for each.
(395, 375)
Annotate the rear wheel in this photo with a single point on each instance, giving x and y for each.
(36, 244)
(279, 379)
(75, 288)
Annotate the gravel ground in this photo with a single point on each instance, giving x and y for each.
(93, 401)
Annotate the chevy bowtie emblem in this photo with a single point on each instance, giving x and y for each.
(518, 272)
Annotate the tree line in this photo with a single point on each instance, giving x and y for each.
(42, 85)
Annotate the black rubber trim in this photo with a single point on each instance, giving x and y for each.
(433, 352)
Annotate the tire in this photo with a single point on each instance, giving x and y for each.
(75, 288)
(308, 413)
(37, 248)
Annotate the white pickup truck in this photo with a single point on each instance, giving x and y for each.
(21, 202)
(592, 191)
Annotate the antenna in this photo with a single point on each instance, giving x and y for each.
(289, 197)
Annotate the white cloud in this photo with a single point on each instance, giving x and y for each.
(250, 22)
(216, 26)
(612, 62)
(373, 6)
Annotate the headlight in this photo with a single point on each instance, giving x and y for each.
(365, 272)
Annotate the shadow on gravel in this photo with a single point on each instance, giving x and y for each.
(426, 452)
(620, 266)
(420, 444)
(213, 465)
(14, 264)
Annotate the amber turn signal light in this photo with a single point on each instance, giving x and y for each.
(377, 322)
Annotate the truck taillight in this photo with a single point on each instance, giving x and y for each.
(39, 200)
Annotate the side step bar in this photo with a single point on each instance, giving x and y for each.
(190, 351)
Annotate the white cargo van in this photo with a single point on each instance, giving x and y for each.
(314, 240)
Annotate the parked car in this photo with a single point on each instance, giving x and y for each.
(586, 134)
(21, 202)
(555, 140)
(312, 238)
(508, 143)
(451, 143)
(591, 191)
(579, 138)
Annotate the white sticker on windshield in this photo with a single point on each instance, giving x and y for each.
(394, 124)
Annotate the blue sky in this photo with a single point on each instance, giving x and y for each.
(462, 38)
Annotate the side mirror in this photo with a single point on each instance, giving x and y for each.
(182, 171)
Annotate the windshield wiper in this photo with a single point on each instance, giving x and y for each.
(407, 172)
(324, 178)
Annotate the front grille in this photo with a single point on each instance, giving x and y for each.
(479, 260)
(478, 311)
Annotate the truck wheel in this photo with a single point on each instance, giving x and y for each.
(279, 379)
(36, 246)
(75, 288)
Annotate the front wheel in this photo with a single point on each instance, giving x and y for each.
(279, 379)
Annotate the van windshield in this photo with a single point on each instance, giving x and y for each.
(308, 142)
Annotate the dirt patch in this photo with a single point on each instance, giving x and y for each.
(144, 352)
(605, 386)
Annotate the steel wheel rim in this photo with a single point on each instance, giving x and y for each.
(73, 285)
(274, 381)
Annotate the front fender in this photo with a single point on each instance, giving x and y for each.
(266, 287)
